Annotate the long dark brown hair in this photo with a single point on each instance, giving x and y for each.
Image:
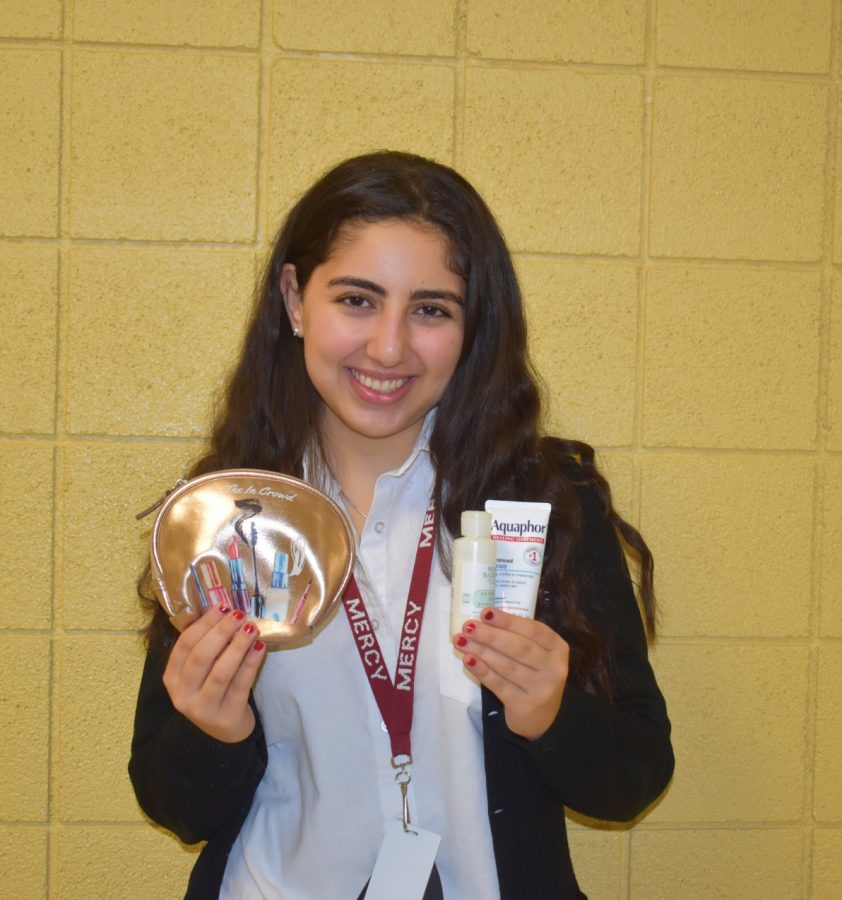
(486, 440)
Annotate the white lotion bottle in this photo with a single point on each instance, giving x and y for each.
(474, 569)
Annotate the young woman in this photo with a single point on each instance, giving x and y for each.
(386, 363)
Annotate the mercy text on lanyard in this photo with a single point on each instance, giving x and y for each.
(395, 697)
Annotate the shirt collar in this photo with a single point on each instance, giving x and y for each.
(422, 445)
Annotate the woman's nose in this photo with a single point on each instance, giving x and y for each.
(389, 340)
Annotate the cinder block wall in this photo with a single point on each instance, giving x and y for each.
(666, 172)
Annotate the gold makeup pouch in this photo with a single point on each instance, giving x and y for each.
(270, 545)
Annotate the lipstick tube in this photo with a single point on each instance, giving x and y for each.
(238, 578)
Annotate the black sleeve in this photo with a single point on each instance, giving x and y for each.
(184, 779)
(608, 758)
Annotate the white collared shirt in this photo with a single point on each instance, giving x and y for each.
(317, 819)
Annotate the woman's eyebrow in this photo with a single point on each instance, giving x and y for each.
(361, 283)
(437, 295)
(426, 294)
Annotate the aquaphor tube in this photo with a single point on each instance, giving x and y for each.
(519, 531)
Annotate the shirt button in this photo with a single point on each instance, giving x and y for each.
(380, 527)
(375, 624)
(383, 726)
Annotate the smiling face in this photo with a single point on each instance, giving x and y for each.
(382, 323)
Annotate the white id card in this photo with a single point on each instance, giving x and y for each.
(404, 863)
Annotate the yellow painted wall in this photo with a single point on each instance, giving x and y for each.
(667, 173)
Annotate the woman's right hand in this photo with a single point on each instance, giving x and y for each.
(211, 670)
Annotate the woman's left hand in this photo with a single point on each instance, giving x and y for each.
(522, 661)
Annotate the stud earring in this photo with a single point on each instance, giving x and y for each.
(296, 332)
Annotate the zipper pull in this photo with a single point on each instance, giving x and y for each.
(149, 509)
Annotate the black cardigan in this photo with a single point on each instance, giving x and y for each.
(605, 759)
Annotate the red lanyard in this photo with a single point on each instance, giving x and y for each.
(394, 698)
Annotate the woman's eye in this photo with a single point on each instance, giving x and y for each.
(433, 311)
(354, 301)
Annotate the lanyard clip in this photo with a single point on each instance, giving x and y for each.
(401, 762)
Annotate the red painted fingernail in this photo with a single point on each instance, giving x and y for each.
(258, 646)
(249, 628)
(488, 615)
(461, 640)
(224, 608)
(239, 615)
(470, 661)
(470, 627)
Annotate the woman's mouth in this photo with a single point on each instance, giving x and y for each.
(379, 385)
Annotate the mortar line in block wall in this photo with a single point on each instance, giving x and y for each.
(580, 67)
(548, 66)
(460, 27)
(586, 68)
(835, 57)
(640, 383)
(749, 74)
(708, 262)
(63, 231)
(737, 640)
(63, 210)
(811, 698)
(648, 73)
(642, 279)
(703, 450)
(23, 631)
(96, 633)
(361, 57)
(63, 156)
(827, 274)
(822, 423)
(625, 851)
(22, 43)
(51, 681)
(648, 126)
(647, 119)
(51, 799)
(116, 825)
(177, 441)
(675, 262)
(67, 440)
(62, 268)
(807, 861)
(64, 244)
(180, 50)
(131, 243)
(264, 84)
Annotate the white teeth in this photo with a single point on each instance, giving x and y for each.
(381, 385)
